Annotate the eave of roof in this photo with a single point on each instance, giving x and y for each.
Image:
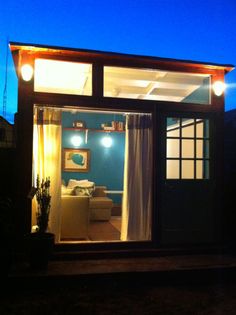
(66, 51)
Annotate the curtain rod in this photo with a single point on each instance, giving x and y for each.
(76, 109)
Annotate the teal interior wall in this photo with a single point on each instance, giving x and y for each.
(201, 95)
(106, 164)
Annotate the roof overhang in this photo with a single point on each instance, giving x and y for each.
(74, 52)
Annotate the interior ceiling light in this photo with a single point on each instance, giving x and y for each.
(27, 72)
(76, 141)
(218, 88)
(107, 141)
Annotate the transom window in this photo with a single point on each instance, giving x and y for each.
(187, 148)
(154, 84)
(64, 77)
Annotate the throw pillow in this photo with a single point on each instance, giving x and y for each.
(65, 191)
(84, 191)
(74, 182)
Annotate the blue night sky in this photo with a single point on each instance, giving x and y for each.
(198, 30)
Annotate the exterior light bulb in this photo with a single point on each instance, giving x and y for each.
(218, 88)
(27, 72)
(107, 141)
(76, 141)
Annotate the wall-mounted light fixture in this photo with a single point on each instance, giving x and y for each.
(76, 141)
(218, 88)
(106, 141)
(27, 72)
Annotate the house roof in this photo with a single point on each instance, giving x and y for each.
(66, 51)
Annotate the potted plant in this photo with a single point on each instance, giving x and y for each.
(43, 199)
(41, 241)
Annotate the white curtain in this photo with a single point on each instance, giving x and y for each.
(137, 196)
(47, 160)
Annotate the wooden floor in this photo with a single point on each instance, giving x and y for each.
(101, 231)
(105, 230)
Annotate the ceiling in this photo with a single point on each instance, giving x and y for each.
(150, 84)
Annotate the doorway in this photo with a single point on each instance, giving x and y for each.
(91, 160)
(188, 206)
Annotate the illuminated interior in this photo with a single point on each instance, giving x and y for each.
(95, 156)
(187, 148)
(86, 165)
(158, 85)
(53, 76)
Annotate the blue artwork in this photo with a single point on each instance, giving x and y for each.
(76, 158)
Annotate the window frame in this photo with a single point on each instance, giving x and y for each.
(208, 75)
(57, 91)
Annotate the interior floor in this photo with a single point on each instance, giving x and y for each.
(104, 231)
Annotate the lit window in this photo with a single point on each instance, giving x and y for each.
(187, 148)
(153, 84)
(53, 76)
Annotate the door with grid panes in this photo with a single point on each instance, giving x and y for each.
(187, 203)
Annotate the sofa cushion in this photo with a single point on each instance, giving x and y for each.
(66, 190)
(72, 183)
(74, 217)
(100, 203)
(84, 191)
(99, 191)
(78, 187)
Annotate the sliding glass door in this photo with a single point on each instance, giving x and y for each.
(100, 166)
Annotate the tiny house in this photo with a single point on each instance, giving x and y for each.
(133, 146)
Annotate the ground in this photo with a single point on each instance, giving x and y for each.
(119, 298)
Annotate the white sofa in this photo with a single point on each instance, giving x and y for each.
(75, 217)
(100, 205)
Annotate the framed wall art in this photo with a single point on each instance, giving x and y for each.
(76, 160)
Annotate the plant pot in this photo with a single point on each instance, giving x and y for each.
(40, 249)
